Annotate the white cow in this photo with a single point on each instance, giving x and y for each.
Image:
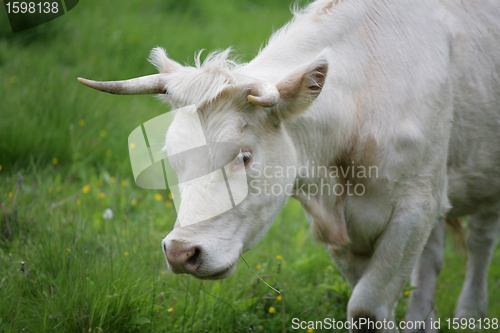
(411, 88)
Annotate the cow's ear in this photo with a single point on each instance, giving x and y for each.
(300, 88)
(162, 62)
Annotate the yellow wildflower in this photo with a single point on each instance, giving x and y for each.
(279, 257)
(170, 196)
(158, 197)
(11, 195)
(86, 189)
(81, 122)
(0, 168)
(68, 251)
(112, 180)
(259, 266)
(101, 195)
(124, 183)
(50, 189)
(134, 202)
(168, 204)
(406, 293)
(132, 145)
(310, 330)
(55, 161)
(170, 310)
(279, 298)
(272, 310)
(126, 254)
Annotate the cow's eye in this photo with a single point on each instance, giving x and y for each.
(246, 156)
(242, 159)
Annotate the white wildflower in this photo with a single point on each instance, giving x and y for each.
(108, 214)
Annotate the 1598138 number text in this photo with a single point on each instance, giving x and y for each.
(16, 7)
(471, 324)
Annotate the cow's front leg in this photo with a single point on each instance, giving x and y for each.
(424, 278)
(396, 250)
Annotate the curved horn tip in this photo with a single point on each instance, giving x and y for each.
(95, 85)
(265, 101)
(264, 94)
(82, 80)
(88, 83)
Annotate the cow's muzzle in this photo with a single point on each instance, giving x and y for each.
(182, 258)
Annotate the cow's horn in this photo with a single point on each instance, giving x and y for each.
(264, 94)
(150, 84)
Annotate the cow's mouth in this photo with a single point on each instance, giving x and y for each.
(221, 274)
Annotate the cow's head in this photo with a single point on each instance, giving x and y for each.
(235, 105)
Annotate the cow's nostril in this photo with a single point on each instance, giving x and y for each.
(181, 258)
(194, 258)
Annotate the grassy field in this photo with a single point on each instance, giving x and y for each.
(64, 161)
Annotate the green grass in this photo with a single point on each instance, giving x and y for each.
(84, 272)
(106, 40)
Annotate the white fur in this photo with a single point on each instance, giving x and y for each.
(413, 88)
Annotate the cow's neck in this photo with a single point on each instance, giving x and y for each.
(323, 143)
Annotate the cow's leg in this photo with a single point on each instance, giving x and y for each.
(482, 238)
(382, 280)
(424, 278)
